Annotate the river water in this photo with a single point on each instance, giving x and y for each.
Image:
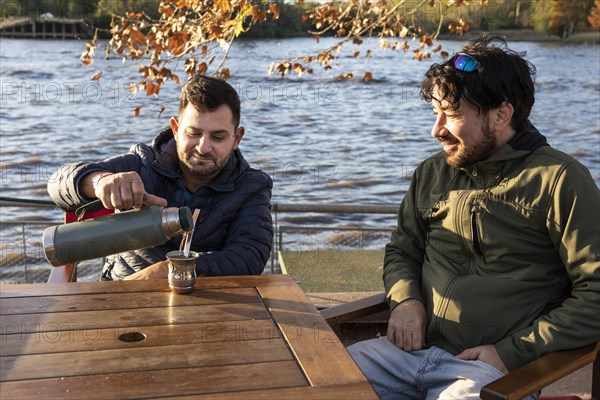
(322, 140)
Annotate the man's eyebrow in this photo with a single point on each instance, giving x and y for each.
(220, 130)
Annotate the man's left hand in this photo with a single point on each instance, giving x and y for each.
(486, 353)
(160, 270)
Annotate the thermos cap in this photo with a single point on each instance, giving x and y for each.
(176, 220)
(185, 218)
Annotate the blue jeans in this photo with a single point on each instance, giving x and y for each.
(424, 374)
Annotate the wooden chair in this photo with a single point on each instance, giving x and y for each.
(518, 384)
(68, 272)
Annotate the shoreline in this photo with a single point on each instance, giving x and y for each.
(512, 35)
(528, 35)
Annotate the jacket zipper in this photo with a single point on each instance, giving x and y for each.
(475, 228)
(474, 252)
(461, 206)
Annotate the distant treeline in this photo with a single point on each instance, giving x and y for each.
(559, 17)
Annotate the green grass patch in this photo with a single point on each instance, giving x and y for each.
(330, 270)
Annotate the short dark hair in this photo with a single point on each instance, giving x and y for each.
(207, 94)
(504, 76)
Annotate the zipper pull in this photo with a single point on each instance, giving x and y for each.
(476, 242)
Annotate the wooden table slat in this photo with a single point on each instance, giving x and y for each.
(200, 380)
(349, 391)
(161, 335)
(158, 285)
(124, 318)
(104, 301)
(161, 358)
(309, 336)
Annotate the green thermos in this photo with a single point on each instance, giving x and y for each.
(111, 234)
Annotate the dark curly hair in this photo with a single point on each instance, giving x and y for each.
(504, 76)
(207, 94)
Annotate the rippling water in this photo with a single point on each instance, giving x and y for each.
(322, 140)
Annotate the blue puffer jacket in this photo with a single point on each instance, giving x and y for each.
(234, 231)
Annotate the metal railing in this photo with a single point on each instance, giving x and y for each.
(25, 261)
(327, 236)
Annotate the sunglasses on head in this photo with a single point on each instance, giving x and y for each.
(466, 63)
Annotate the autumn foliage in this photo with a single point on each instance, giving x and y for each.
(594, 17)
(351, 22)
(567, 15)
(196, 32)
(197, 35)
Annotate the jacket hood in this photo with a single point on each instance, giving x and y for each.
(528, 139)
(165, 150)
(522, 143)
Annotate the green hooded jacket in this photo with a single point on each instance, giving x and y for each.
(504, 252)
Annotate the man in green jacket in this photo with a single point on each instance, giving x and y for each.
(495, 258)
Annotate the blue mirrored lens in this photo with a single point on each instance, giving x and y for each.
(464, 62)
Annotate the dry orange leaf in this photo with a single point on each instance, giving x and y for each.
(225, 74)
(152, 88)
(96, 76)
(274, 9)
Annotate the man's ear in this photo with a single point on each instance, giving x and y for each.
(238, 137)
(174, 126)
(504, 115)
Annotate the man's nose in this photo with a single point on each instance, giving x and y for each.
(204, 145)
(439, 129)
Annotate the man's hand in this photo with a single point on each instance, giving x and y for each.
(121, 191)
(160, 270)
(406, 327)
(486, 353)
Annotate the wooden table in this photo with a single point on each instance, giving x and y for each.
(254, 337)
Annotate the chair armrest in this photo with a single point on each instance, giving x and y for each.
(63, 273)
(355, 309)
(539, 373)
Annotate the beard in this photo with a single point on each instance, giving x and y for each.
(210, 166)
(470, 153)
